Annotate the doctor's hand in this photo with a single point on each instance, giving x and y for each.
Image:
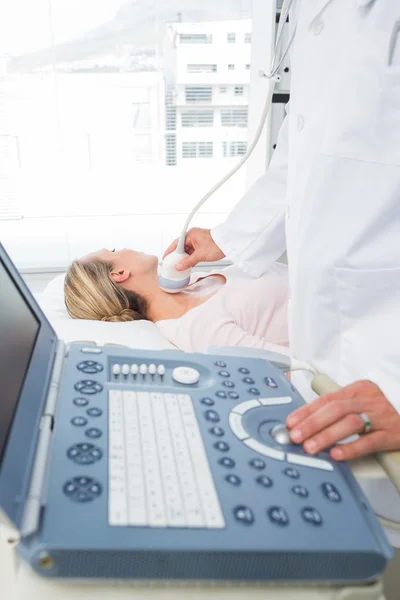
(200, 246)
(334, 417)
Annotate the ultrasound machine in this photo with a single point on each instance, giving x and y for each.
(162, 465)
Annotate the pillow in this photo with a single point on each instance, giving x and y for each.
(136, 334)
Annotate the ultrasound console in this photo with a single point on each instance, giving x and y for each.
(120, 463)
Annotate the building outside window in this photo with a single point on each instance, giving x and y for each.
(233, 149)
(234, 117)
(198, 118)
(195, 38)
(231, 67)
(231, 38)
(198, 94)
(197, 150)
(201, 68)
(238, 90)
(247, 38)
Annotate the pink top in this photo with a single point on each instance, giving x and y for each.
(243, 312)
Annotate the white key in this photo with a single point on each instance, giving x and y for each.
(235, 423)
(134, 369)
(185, 375)
(193, 510)
(154, 492)
(173, 500)
(243, 407)
(204, 480)
(152, 369)
(309, 461)
(275, 401)
(116, 369)
(265, 450)
(136, 496)
(117, 505)
(143, 369)
(125, 369)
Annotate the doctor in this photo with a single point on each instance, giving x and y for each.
(331, 197)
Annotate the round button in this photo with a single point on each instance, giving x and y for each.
(233, 395)
(300, 490)
(248, 380)
(85, 447)
(292, 473)
(212, 415)
(93, 433)
(278, 515)
(95, 489)
(79, 421)
(185, 375)
(228, 383)
(257, 463)
(72, 452)
(80, 401)
(220, 364)
(94, 412)
(84, 496)
(224, 374)
(227, 462)
(270, 382)
(88, 386)
(81, 481)
(264, 481)
(221, 394)
(221, 446)
(280, 434)
(96, 453)
(70, 488)
(254, 391)
(244, 371)
(311, 515)
(217, 431)
(233, 479)
(243, 514)
(331, 492)
(207, 401)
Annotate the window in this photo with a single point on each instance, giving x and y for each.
(197, 118)
(198, 95)
(195, 38)
(201, 68)
(247, 66)
(231, 67)
(234, 117)
(231, 149)
(197, 149)
(247, 38)
(239, 90)
(222, 89)
(231, 38)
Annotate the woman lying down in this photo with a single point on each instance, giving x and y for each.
(222, 308)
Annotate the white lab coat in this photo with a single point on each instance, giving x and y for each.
(332, 195)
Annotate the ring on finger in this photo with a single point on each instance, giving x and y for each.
(367, 422)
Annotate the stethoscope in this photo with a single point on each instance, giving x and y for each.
(171, 280)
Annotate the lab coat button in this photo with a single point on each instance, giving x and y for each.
(300, 123)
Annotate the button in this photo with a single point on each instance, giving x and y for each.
(152, 369)
(233, 479)
(233, 395)
(275, 401)
(292, 473)
(300, 123)
(81, 401)
(125, 370)
(221, 394)
(308, 461)
(70, 488)
(207, 401)
(228, 383)
(185, 375)
(116, 370)
(220, 364)
(257, 463)
(244, 514)
(224, 374)
(93, 433)
(134, 369)
(243, 407)
(221, 446)
(244, 371)
(248, 380)
(89, 366)
(88, 386)
(94, 412)
(227, 462)
(95, 489)
(331, 492)
(217, 431)
(280, 434)
(270, 382)
(82, 480)
(317, 26)
(254, 391)
(96, 453)
(143, 370)
(212, 415)
(264, 481)
(72, 452)
(84, 496)
(300, 490)
(161, 370)
(91, 350)
(84, 447)
(235, 423)
(311, 515)
(79, 421)
(278, 515)
(265, 450)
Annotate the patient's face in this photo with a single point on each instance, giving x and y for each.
(137, 263)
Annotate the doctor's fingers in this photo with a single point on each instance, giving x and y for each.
(376, 441)
(350, 424)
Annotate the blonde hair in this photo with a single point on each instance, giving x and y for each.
(90, 293)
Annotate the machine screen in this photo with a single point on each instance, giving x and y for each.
(18, 332)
